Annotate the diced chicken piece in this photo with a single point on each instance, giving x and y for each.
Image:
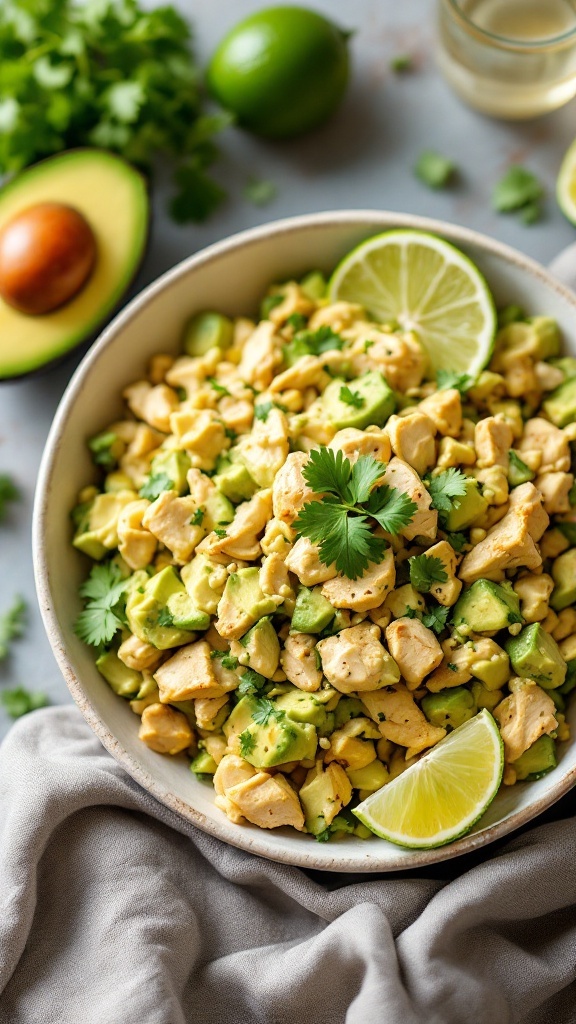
(492, 439)
(456, 667)
(399, 357)
(154, 405)
(565, 625)
(353, 443)
(139, 655)
(237, 413)
(400, 719)
(555, 490)
(293, 301)
(303, 559)
(446, 593)
(158, 367)
(454, 453)
(136, 544)
(202, 433)
(299, 662)
(414, 648)
(273, 577)
(549, 377)
(165, 730)
(190, 372)
(290, 492)
(137, 458)
(188, 674)
(338, 315)
(365, 593)
(268, 801)
(241, 540)
(534, 592)
(541, 435)
(511, 542)
(355, 659)
(168, 518)
(445, 410)
(494, 480)
(231, 771)
(215, 745)
(352, 745)
(425, 521)
(412, 439)
(277, 539)
(553, 543)
(206, 710)
(200, 485)
(261, 354)
(265, 450)
(523, 717)
(307, 372)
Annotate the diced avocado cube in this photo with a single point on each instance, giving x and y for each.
(567, 364)
(203, 764)
(538, 336)
(535, 762)
(485, 698)
(312, 612)
(564, 576)
(235, 482)
(346, 709)
(493, 672)
(472, 506)
(218, 511)
(244, 601)
(205, 331)
(486, 606)
(373, 401)
(107, 449)
(204, 580)
(126, 682)
(314, 285)
(449, 708)
(185, 614)
(340, 621)
(175, 464)
(570, 682)
(534, 654)
(240, 717)
(560, 406)
(372, 777)
(302, 707)
(148, 614)
(320, 792)
(262, 648)
(518, 471)
(557, 699)
(97, 531)
(280, 740)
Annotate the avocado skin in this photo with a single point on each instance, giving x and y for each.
(535, 655)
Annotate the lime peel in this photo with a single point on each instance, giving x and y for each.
(428, 286)
(566, 184)
(440, 798)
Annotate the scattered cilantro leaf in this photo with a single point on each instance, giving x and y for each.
(457, 541)
(220, 531)
(446, 488)
(517, 463)
(436, 618)
(198, 517)
(269, 302)
(104, 592)
(446, 379)
(409, 613)
(264, 711)
(8, 492)
(324, 835)
(20, 702)
(366, 471)
(353, 398)
(101, 446)
(251, 683)
(519, 191)
(228, 660)
(260, 192)
(165, 617)
(402, 62)
(324, 339)
(452, 666)
(425, 570)
(219, 388)
(247, 743)
(392, 509)
(434, 170)
(510, 315)
(12, 625)
(155, 485)
(261, 411)
(297, 321)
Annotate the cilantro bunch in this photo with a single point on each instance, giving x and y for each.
(106, 73)
(342, 521)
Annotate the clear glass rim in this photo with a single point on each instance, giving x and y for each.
(503, 42)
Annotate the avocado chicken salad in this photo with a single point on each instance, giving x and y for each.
(312, 561)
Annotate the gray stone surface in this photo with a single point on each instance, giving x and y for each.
(363, 158)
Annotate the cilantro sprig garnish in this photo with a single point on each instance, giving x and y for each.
(323, 339)
(12, 625)
(105, 594)
(446, 379)
(8, 492)
(445, 490)
(425, 570)
(153, 487)
(436, 618)
(20, 701)
(339, 523)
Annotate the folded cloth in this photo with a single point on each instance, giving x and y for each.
(113, 910)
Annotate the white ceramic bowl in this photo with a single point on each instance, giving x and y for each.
(231, 276)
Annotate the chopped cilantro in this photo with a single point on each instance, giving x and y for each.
(519, 191)
(101, 448)
(452, 666)
(251, 682)
(219, 388)
(198, 517)
(436, 618)
(324, 339)
(265, 710)
(269, 302)
(259, 191)
(402, 62)
(457, 541)
(297, 321)
(220, 531)
(228, 660)
(261, 411)
(247, 743)
(425, 570)
(350, 397)
(446, 379)
(8, 492)
(434, 170)
(165, 617)
(12, 625)
(155, 485)
(103, 616)
(446, 488)
(20, 702)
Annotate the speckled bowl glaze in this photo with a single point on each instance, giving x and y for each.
(231, 276)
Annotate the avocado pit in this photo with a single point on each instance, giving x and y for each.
(47, 253)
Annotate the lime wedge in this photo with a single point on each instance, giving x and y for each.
(428, 286)
(566, 184)
(440, 797)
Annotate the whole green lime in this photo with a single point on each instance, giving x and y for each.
(282, 71)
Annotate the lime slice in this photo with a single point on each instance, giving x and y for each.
(440, 797)
(566, 184)
(428, 286)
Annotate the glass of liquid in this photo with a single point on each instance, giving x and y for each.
(509, 58)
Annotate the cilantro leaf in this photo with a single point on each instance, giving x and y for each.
(197, 196)
(446, 379)
(219, 388)
(353, 398)
(220, 532)
(343, 539)
(324, 339)
(457, 540)
(436, 618)
(425, 570)
(517, 189)
(261, 411)
(20, 702)
(402, 62)
(446, 488)
(103, 616)
(101, 448)
(392, 509)
(251, 682)
(259, 191)
(11, 625)
(8, 492)
(247, 743)
(328, 472)
(324, 835)
(264, 711)
(198, 516)
(434, 170)
(155, 485)
(365, 472)
(297, 321)
(165, 617)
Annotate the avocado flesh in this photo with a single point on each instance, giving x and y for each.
(203, 764)
(125, 682)
(560, 406)
(235, 482)
(450, 708)
(539, 759)
(564, 576)
(281, 739)
(175, 464)
(486, 606)
(112, 197)
(312, 612)
(471, 506)
(535, 655)
(372, 776)
(375, 393)
(143, 610)
(302, 707)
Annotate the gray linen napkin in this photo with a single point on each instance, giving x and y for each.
(115, 911)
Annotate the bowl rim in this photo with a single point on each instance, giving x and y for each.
(311, 857)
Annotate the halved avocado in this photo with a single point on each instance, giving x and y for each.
(113, 198)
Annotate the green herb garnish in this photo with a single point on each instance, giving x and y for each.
(247, 743)
(155, 485)
(198, 517)
(353, 398)
(434, 170)
(436, 618)
(251, 682)
(402, 62)
(105, 594)
(219, 388)
(265, 710)
(20, 702)
(8, 492)
(425, 570)
(446, 488)
(12, 625)
(324, 339)
(297, 321)
(446, 379)
(260, 192)
(519, 191)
